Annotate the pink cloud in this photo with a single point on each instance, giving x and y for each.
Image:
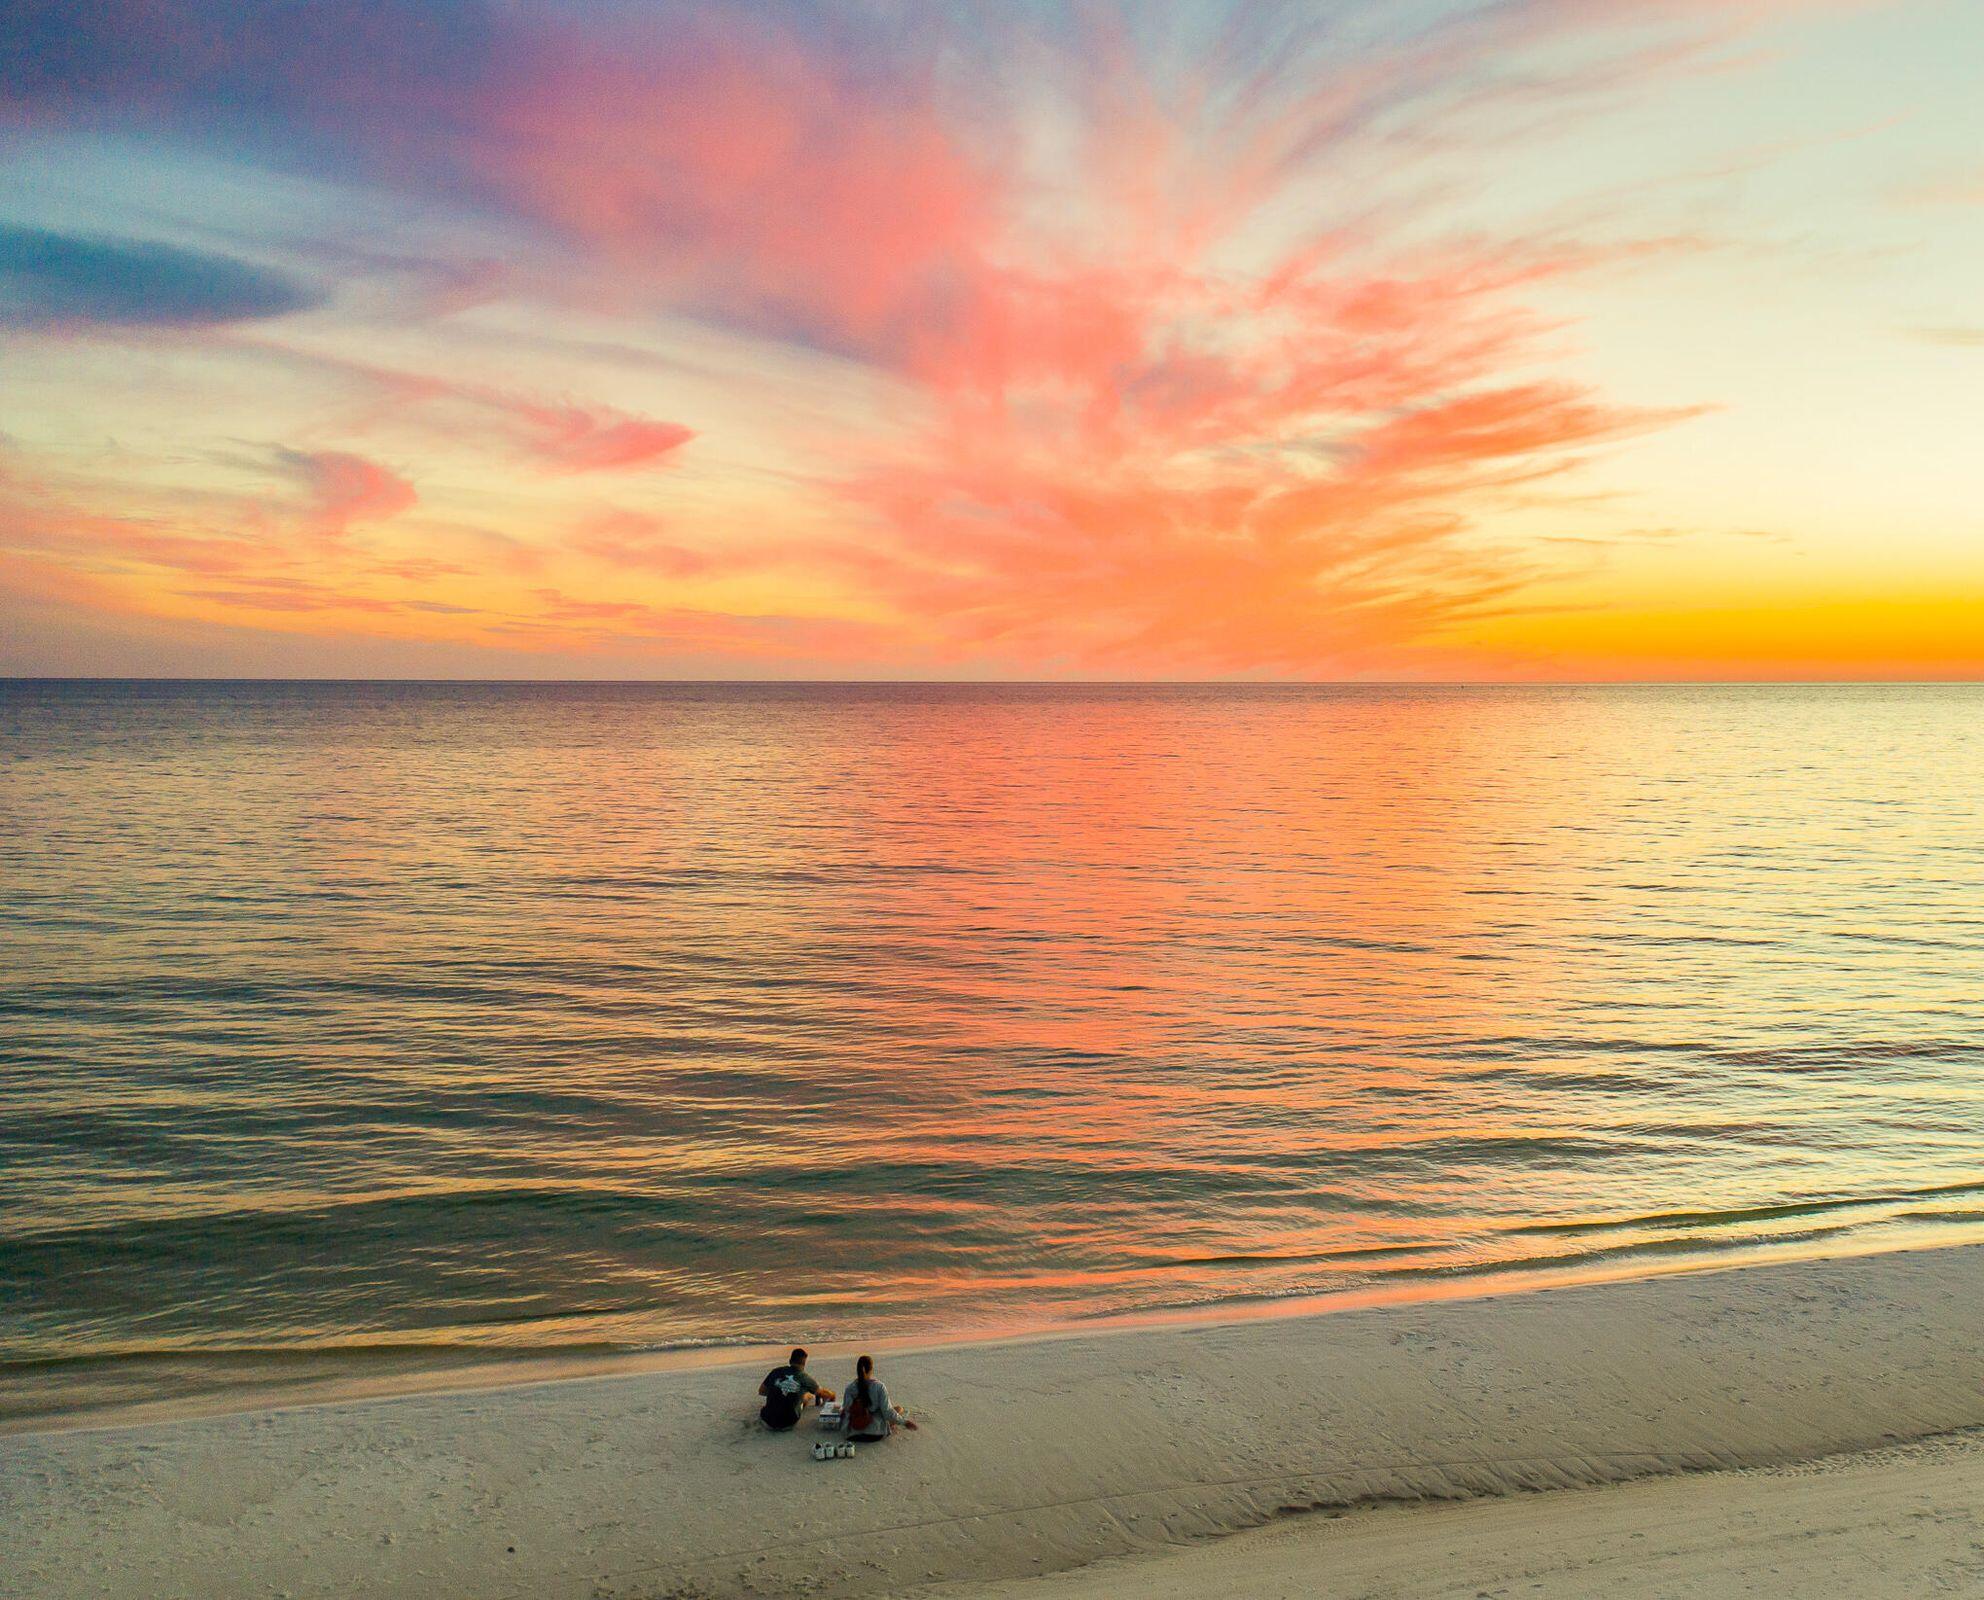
(37, 517)
(574, 439)
(346, 489)
(559, 436)
(718, 160)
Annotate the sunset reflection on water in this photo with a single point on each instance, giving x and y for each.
(556, 1015)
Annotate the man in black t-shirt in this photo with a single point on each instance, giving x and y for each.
(787, 1390)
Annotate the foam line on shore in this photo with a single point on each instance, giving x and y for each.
(134, 1388)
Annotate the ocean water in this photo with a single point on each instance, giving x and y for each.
(566, 1017)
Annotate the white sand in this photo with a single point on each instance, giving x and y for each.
(1039, 1456)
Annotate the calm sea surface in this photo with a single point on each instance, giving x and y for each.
(568, 1016)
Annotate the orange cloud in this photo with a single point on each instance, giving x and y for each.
(1167, 470)
(630, 540)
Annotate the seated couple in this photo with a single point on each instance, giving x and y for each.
(866, 1412)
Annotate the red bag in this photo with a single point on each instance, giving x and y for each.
(860, 1415)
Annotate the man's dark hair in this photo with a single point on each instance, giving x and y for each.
(799, 1358)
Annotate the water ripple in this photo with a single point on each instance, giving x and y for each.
(478, 1016)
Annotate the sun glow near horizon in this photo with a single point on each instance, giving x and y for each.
(1446, 340)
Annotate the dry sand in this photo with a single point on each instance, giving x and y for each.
(1042, 1455)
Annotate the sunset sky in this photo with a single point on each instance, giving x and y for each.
(1375, 339)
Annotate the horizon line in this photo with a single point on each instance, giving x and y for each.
(1016, 683)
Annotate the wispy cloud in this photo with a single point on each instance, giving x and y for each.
(345, 489)
(72, 281)
(1161, 344)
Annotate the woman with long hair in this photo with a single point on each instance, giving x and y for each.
(870, 1416)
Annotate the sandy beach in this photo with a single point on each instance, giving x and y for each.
(1878, 1525)
(1041, 1458)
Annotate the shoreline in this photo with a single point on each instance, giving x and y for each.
(1039, 1454)
(56, 1395)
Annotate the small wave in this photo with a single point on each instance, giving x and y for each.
(1375, 1252)
(354, 1213)
(1845, 1056)
(1573, 1260)
(310, 1354)
(1818, 1205)
(1661, 940)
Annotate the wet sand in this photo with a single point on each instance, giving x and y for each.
(1045, 1455)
